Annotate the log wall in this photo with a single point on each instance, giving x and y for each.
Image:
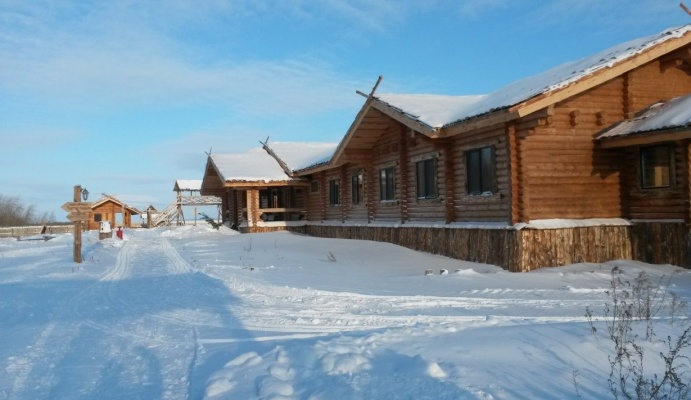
(481, 208)
(355, 212)
(564, 175)
(386, 154)
(420, 147)
(657, 203)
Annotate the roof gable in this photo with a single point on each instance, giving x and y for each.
(187, 185)
(442, 112)
(255, 165)
(299, 156)
(110, 199)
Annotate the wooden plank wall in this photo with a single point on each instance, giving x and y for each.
(530, 249)
(558, 247)
(662, 243)
(490, 246)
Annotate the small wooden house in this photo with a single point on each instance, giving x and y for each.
(554, 169)
(258, 190)
(113, 210)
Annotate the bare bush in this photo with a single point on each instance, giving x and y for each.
(632, 310)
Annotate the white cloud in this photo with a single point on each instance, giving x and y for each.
(101, 62)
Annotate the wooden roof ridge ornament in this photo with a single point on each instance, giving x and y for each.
(685, 8)
(272, 153)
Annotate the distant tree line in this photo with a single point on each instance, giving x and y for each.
(15, 212)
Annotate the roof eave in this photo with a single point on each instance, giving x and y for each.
(646, 137)
(599, 77)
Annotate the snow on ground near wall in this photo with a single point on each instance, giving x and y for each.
(190, 312)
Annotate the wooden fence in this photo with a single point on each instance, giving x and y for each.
(528, 249)
(18, 231)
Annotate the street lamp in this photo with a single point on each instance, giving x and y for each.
(85, 194)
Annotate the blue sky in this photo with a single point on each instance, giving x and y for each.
(124, 97)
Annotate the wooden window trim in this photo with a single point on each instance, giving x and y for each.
(383, 187)
(334, 193)
(489, 177)
(670, 166)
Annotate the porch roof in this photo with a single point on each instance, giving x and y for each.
(663, 121)
(255, 165)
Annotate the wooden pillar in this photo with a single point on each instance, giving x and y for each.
(77, 251)
(687, 213)
(403, 167)
(343, 189)
(252, 207)
(449, 172)
(369, 185)
(514, 174)
(323, 199)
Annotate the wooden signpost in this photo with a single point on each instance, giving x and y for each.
(78, 211)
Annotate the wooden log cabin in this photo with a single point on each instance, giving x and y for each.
(109, 208)
(554, 169)
(258, 189)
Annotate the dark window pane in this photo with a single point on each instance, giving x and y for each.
(474, 172)
(480, 171)
(655, 167)
(334, 195)
(386, 184)
(425, 172)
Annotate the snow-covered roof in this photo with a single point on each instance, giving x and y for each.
(187, 185)
(107, 198)
(433, 110)
(252, 166)
(673, 114)
(302, 155)
(458, 108)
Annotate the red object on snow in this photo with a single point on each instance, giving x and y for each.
(119, 233)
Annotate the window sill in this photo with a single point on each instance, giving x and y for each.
(481, 198)
(388, 203)
(436, 200)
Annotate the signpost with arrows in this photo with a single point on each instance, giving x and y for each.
(78, 211)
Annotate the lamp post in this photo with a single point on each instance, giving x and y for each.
(85, 194)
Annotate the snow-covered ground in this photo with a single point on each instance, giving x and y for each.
(190, 312)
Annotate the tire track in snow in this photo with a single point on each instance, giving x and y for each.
(274, 308)
(22, 367)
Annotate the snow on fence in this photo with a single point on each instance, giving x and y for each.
(16, 231)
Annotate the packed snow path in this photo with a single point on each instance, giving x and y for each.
(191, 313)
